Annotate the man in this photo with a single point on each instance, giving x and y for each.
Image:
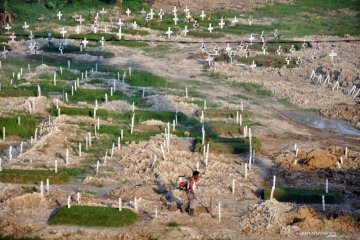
(191, 194)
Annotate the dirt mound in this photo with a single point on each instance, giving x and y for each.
(153, 122)
(308, 218)
(15, 229)
(319, 158)
(267, 217)
(25, 203)
(343, 111)
(314, 166)
(169, 103)
(43, 68)
(117, 106)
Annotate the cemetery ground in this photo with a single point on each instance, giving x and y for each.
(93, 138)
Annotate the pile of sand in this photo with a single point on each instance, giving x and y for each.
(169, 103)
(318, 158)
(117, 106)
(43, 68)
(266, 217)
(308, 218)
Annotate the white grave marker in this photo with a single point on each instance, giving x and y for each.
(169, 32)
(63, 31)
(59, 15)
(210, 28)
(332, 55)
(202, 15)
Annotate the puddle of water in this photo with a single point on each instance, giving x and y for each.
(322, 123)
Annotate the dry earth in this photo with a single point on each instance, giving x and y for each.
(139, 170)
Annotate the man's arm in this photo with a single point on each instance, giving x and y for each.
(191, 184)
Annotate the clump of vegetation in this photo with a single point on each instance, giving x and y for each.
(133, 44)
(165, 117)
(16, 92)
(223, 145)
(172, 224)
(93, 216)
(135, 32)
(134, 4)
(26, 128)
(76, 50)
(201, 34)
(147, 79)
(33, 176)
(302, 195)
(102, 113)
(253, 88)
(90, 95)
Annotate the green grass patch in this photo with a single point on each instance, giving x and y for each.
(133, 44)
(74, 172)
(76, 50)
(201, 34)
(147, 79)
(302, 195)
(46, 87)
(29, 10)
(8, 91)
(93, 216)
(143, 115)
(221, 128)
(26, 128)
(45, 34)
(253, 88)
(33, 176)
(102, 113)
(135, 32)
(94, 36)
(136, 5)
(312, 17)
(221, 145)
(66, 75)
(90, 95)
(286, 102)
(172, 224)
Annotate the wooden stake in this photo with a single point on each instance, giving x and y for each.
(219, 210)
(163, 152)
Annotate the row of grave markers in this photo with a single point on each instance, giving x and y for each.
(326, 81)
(149, 16)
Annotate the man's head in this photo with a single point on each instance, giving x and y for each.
(196, 175)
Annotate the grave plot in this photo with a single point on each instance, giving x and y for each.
(33, 176)
(93, 216)
(107, 109)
